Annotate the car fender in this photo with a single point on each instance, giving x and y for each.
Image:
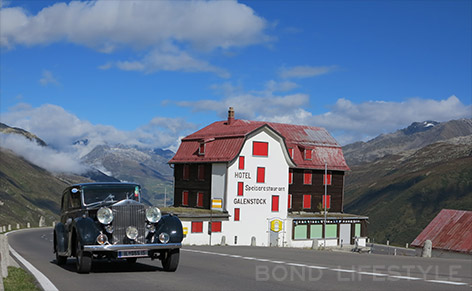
(60, 239)
(173, 226)
(86, 230)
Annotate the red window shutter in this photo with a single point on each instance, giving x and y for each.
(290, 151)
(185, 198)
(290, 176)
(289, 201)
(327, 201)
(306, 201)
(260, 148)
(201, 172)
(201, 149)
(327, 179)
(241, 163)
(200, 199)
(186, 172)
(236, 214)
(240, 188)
(216, 226)
(307, 176)
(260, 175)
(197, 226)
(308, 153)
(275, 203)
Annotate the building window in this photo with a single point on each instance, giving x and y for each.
(306, 201)
(240, 188)
(316, 231)
(241, 163)
(197, 226)
(200, 199)
(260, 148)
(308, 154)
(300, 231)
(260, 175)
(236, 214)
(186, 172)
(331, 230)
(185, 198)
(201, 172)
(275, 203)
(290, 176)
(327, 179)
(290, 152)
(201, 149)
(216, 226)
(357, 230)
(326, 201)
(289, 201)
(307, 176)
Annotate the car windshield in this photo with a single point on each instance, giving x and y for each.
(101, 194)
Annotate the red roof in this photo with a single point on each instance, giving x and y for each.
(450, 230)
(223, 143)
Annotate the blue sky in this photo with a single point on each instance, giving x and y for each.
(151, 72)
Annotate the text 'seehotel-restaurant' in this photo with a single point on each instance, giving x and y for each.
(265, 183)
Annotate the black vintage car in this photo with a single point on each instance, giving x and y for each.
(108, 220)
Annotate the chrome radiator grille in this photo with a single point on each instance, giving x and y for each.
(128, 215)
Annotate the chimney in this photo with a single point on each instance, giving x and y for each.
(230, 115)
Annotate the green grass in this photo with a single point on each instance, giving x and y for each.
(19, 279)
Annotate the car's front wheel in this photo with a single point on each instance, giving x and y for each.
(84, 259)
(170, 262)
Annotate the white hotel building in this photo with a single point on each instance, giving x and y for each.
(262, 183)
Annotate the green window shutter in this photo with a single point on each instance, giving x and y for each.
(301, 231)
(316, 231)
(357, 231)
(331, 230)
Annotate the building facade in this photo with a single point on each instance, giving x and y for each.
(263, 183)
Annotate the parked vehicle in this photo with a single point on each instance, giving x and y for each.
(108, 220)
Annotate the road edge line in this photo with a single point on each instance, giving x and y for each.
(45, 283)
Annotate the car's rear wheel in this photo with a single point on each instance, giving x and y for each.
(84, 259)
(170, 262)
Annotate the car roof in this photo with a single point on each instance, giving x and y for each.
(104, 184)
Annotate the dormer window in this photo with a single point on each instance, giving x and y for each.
(308, 154)
(201, 149)
(290, 152)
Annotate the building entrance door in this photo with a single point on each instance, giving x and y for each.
(345, 234)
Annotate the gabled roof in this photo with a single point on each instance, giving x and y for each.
(223, 143)
(450, 230)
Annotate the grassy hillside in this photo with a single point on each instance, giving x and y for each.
(401, 194)
(28, 192)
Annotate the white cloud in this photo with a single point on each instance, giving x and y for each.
(44, 157)
(152, 26)
(60, 129)
(305, 71)
(347, 121)
(48, 78)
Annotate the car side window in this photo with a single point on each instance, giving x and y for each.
(74, 201)
(65, 201)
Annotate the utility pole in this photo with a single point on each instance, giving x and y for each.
(324, 199)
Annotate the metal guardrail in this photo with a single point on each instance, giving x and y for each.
(391, 250)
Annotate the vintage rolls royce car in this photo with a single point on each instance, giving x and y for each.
(108, 220)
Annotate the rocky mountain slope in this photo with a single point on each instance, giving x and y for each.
(416, 136)
(28, 192)
(417, 172)
(148, 167)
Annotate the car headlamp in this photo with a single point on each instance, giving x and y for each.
(153, 214)
(131, 232)
(105, 215)
(102, 239)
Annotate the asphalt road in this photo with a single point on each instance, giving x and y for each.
(249, 268)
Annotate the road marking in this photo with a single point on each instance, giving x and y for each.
(446, 282)
(42, 280)
(342, 270)
(331, 269)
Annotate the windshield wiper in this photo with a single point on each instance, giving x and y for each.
(99, 203)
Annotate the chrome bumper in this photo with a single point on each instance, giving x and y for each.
(111, 248)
